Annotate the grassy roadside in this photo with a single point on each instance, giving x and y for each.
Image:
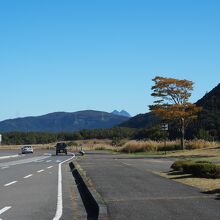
(206, 185)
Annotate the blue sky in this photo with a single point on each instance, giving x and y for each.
(68, 55)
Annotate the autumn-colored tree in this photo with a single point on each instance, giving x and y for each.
(173, 102)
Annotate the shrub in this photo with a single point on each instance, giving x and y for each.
(205, 170)
(187, 167)
(178, 165)
(199, 168)
(203, 161)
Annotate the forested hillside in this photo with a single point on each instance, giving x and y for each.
(206, 126)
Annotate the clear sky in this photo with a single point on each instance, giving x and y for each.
(70, 55)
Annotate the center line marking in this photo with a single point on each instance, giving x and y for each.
(49, 167)
(6, 208)
(8, 184)
(39, 171)
(25, 177)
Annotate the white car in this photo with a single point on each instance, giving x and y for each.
(26, 149)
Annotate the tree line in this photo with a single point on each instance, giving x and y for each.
(19, 138)
(115, 134)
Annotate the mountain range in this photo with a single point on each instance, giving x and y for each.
(208, 119)
(63, 122)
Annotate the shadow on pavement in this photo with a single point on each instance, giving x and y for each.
(215, 191)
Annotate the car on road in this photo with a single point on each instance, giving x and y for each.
(81, 152)
(26, 149)
(61, 147)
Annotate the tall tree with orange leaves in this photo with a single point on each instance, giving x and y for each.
(172, 102)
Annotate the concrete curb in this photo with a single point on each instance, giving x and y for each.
(95, 207)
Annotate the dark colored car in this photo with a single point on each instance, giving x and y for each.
(61, 147)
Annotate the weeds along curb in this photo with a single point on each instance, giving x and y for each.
(95, 208)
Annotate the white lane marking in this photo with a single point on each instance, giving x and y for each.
(48, 161)
(38, 161)
(127, 164)
(47, 154)
(49, 167)
(59, 210)
(8, 184)
(5, 167)
(25, 177)
(58, 161)
(6, 208)
(23, 161)
(39, 171)
(9, 156)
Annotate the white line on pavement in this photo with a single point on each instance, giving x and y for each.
(58, 161)
(8, 184)
(59, 210)
(5, 167)
(49, 167)
(25, 177)
(23, 161)
(38, 161)
(39, 171)
(126, 164)
(6, 208)
(48, 161)
(9, 156)
(47, 154)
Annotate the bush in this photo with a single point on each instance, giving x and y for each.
(203, 161)
(206, 170)
(199, 168)
(178, 165)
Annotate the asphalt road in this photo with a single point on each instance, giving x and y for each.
(29, 186)
(132, 191)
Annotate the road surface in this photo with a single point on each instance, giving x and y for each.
(132, 191)
(31, 186)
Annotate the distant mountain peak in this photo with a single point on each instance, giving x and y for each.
(121, 113)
